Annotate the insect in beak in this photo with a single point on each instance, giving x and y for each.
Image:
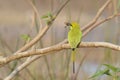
(67, 24)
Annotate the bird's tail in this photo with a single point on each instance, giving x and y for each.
(73, 59)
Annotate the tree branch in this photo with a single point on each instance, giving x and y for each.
(44, 30)
(54, 48)
(100, 22)
(35, 40)
(100, 11)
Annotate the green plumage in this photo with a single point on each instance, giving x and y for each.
(74, 35)
(74, 38)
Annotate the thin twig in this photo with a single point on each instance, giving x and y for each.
(21, 67)
(35, 11)
(40, 34)
(100, 22)
(100, 11)
(35, 40)
(60, 8)
(3, 42)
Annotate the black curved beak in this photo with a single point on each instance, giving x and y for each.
(67, 24)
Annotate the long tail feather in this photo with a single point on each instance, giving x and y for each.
(73, 59)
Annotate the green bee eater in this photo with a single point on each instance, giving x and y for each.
(74, 39)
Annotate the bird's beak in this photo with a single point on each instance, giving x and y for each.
(67, 24)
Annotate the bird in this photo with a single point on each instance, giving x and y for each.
(74, 39)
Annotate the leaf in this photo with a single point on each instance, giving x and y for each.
(44, 16)
(48, 18)
(114, 69)
(25, 37)
(101, 72)
(48, 15)
(107, 72)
